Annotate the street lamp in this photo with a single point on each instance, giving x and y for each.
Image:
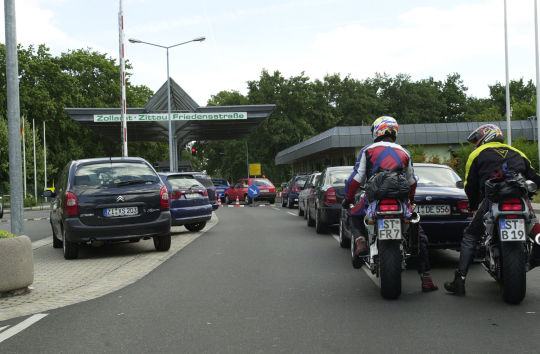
(198, 39)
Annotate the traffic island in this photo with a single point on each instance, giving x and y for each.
(16, 265)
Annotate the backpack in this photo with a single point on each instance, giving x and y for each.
(508, 186)
(387, 184)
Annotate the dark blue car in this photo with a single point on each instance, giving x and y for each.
(221, 185)
(189, 203)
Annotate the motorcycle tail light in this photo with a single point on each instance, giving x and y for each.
(331, 197)
(511, 205)
(72, 204)
(164, 198)
(388, 205)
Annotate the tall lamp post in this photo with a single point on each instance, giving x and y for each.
(199, 39)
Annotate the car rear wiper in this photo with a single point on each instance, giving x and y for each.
(137, 181)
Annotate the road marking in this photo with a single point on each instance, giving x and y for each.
(364, 268)
(293, 214)
(21, 326)
(2, 328)
(275, 208)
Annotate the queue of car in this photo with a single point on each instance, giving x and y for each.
(440, 201)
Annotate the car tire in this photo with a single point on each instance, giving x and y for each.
(283, 202)
(300, 210)
(162, 243)
(227, 199)
(320, 227)
(343, 241)
(56, 243)
(272, 201)
(290, 204)
(310, 221)
(195, 227)
(71, 249)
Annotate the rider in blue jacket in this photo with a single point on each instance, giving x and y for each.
(383, 154)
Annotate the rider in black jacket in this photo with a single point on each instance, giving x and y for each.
(485, 162)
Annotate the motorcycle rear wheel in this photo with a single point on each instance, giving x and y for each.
(390, 268)
(514, 278)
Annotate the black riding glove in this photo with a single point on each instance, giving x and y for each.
(346, 204)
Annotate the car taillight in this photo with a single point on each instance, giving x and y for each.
(511, 205)
(176, 195)
(72, 205)
(295, 189)
(388, 205)
(204, 192)
(463, 206)
(164, 198)
(331, 196)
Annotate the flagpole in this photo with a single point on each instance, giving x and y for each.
(24, 157)
(35, 175)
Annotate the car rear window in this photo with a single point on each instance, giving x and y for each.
(111, 174)
(222, 182)
(181, 182)
(435, 176)
(300, 181)
(261, 183)
(338, 177)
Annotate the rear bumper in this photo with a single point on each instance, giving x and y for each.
(182, 216)
(266, 196)
(76, 231)
(444, 233)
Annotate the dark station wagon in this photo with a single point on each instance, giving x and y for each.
(109, 200)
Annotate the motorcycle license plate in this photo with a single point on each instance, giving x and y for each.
(389, 229)
(512, 229)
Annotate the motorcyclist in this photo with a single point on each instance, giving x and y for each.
(486, 162)
(383, 154)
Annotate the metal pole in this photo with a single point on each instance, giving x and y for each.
(35, 164)
(14, 119)
(123, 79)
(537, 76)
(24, 159)
(508, 109)
(44, 158)
(247, 159)
(171, 157)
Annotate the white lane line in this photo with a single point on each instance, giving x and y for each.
(2, 328)
(364, 268)
(275, 208)
(293, 214)
(21, 326)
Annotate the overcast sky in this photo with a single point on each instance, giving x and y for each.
(423, 38)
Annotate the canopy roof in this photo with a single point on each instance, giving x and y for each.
(184, 131)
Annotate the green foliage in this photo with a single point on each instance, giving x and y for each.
(6, 234)
(529, 148)
(417, 153)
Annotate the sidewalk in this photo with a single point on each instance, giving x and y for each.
(99, 271)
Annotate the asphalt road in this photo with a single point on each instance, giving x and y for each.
(36, 224)
(262, 281)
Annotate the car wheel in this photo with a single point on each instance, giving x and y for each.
(310, 221)
(290, 204)
(343, 241)
(272, 201)
(56, 243)
(300, 210)
(162, 243)
(283, 201)
(227, 199)
(320, 227)
(195, 227)
(71, 249)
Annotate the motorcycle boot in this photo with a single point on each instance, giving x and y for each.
(534, 261)
(360, 246)
(427, 283)
(456, 287)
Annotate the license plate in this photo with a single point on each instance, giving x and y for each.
(192, 195)
(220, 190)
(433, 209)
(389, 229)
(264, 190)
(512, 229)
(126, 211)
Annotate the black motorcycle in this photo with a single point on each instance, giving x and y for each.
(506, 247)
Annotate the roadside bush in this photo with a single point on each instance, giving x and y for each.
(5, 234)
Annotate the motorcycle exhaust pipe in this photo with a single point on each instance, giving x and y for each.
(415, 218)
(537, 239)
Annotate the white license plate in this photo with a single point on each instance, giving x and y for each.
(220, 190)
(433, 209)
(192, 195)
(512, 229)
(389, 229)
(264, 190)
(126, 211)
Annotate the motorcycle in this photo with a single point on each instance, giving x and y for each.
(392, 239)
(507, 245)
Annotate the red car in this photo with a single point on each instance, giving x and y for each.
(240, 190)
